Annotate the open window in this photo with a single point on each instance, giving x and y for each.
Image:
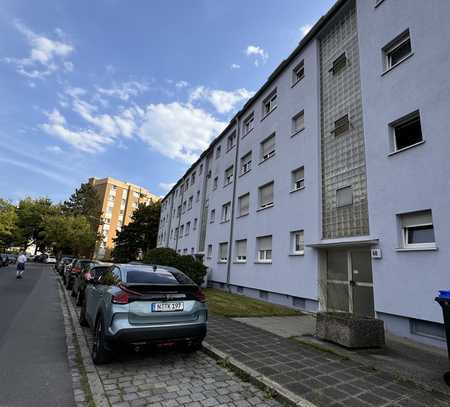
(417, 230)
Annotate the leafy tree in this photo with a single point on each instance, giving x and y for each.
(31, 214)
(85, 201)
(193, 268)
(8, 219)
(69, 234)
(140, 234)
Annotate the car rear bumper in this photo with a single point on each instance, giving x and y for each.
(159, 334)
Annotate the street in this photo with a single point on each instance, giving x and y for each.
(34, 369)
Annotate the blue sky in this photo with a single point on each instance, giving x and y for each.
(129, 89)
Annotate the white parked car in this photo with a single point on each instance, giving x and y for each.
(50, 260)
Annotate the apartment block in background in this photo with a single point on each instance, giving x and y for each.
(119, 200)
(329, 190)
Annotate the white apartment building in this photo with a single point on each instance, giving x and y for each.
(330, 189)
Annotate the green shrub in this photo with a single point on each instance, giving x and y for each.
(187, 264)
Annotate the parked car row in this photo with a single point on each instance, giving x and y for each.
(135, 304)
(7, 258)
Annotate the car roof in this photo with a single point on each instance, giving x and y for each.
(167, 271)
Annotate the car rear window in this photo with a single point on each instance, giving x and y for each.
(150, 277)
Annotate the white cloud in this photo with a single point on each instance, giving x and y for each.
(235, 66)
(305, 29)
(181, 84)
(258, 53)
(166, 186)
(179, 131)
(222, 100)
(46, 55)
(84, 140)
(54, 149)
(125, 90)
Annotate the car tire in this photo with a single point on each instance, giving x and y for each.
(82, 318)
(192, 346)
(79, 298)
(99, 353)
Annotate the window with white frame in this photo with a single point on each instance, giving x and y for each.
(191, 198)
(200, 171)
(209, 251)
(339, 64)
(176, 233)
(344, 196)
(297, 242)
(244, 204)
(246, 163)
(181, 230)
(212, 218)
(264, 247)
(241, 251)
(417, 230)
(406, 132)
(228, 179)
(185, 251)
(226, 212)
(269, 103)
(298, 122)
(188, 228)
(195, 224)
(197, 198)
(341, 126)
(298, 73)
(215, 182)
(231, 141)
(266, 196)
(186, 185)
(218, 150)
(223, 252)
(136, 195)
(268, 147)
(397, 50)
(193, 178)
(184, 206)
(298, 179)
(249, 123)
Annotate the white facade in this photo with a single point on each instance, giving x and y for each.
(326, 190)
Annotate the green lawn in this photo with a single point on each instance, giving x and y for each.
(234, 305)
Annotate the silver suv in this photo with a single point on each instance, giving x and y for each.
(139, 304)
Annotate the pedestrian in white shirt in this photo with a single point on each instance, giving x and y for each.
(21, 260)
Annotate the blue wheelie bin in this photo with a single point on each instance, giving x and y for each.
(444, 301)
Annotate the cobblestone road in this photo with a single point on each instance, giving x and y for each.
(169, 378)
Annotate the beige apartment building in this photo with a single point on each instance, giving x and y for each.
(119, 200)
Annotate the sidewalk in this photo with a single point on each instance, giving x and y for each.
(410, 360)
(321, 378)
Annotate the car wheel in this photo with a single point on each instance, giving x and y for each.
(79, 300)
(100, 354)
(192, 346)
(82, 318)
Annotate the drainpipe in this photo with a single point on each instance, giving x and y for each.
(179, 219)
(235, 177)
(172, 198)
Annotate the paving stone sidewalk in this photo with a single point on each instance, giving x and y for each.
(319, 377)
(172, 379)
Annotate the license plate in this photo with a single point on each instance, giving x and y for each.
(167, 307)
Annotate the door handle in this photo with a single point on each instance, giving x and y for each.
(352, 283)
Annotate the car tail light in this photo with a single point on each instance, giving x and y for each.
(120, 298)
(123, 296)
(200, 296)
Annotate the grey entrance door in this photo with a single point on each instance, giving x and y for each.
(349, 281)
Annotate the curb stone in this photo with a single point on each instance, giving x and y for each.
(258, 379)
(76, 332)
